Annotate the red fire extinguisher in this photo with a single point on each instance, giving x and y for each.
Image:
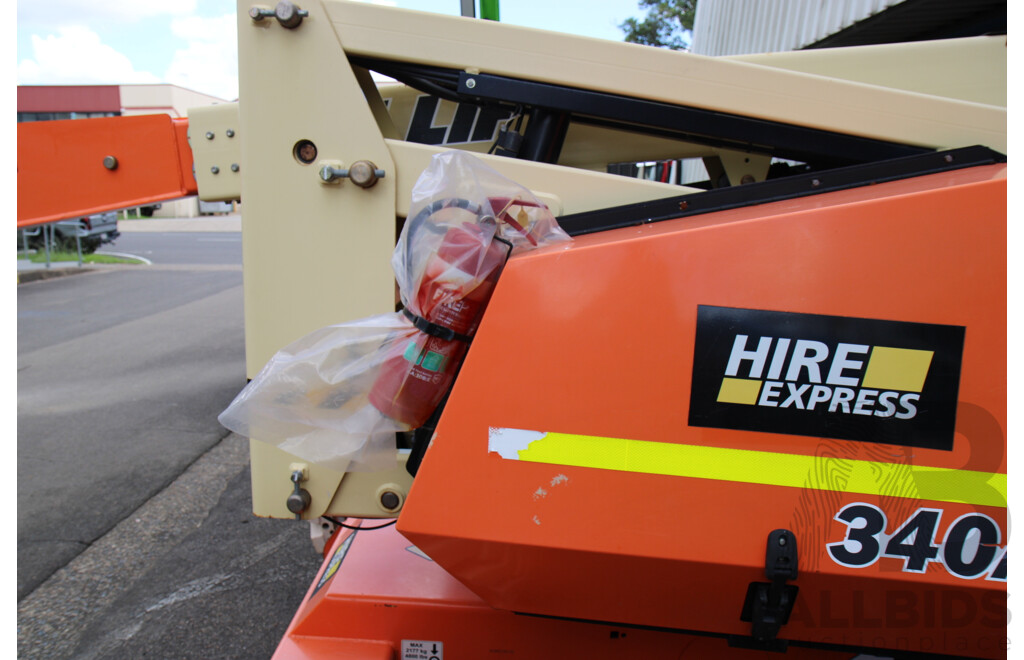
(456, 286)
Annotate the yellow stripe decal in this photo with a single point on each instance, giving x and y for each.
(763, 467)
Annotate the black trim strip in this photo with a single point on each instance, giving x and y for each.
(808, 145)
(818, 148)
(800, 185)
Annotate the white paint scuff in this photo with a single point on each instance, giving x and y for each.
(507, 443)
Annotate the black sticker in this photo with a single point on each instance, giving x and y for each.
(469, 124)
(826, 376)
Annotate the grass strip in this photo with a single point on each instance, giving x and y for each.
(40, 258)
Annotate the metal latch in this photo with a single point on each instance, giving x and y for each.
(768, 605)
(363, 173)
(300, 498)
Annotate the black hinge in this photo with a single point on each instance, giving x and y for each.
(768, 604)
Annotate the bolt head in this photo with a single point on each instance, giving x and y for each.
(298, 502)
(215, 169)
(471, 83)
(234, 167)
(288, 15)
(209, 135)
(110, 162)
(363, 173)
(390, 500)
(229, 133)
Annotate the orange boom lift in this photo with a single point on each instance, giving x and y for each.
(761, 413)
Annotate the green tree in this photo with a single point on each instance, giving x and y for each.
(668, 24)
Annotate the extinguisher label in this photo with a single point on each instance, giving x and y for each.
(427, 360)
(826, 376)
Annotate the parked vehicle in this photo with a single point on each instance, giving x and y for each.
(92, 231)
(213, 208)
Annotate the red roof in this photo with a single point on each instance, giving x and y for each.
(69, 98)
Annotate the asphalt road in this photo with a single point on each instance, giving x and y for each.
(135, 532)
(207, 248)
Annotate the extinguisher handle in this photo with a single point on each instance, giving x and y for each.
(501, 206)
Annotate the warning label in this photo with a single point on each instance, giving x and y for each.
(415, 649)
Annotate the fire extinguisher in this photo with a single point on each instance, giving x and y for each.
(416, 374)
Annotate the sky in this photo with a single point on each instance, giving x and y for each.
(193, 43)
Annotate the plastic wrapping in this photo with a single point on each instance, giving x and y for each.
(310, 399)
(337, 396)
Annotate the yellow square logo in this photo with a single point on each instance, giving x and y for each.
(902, 369)
(739, 390)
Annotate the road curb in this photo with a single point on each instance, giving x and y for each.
(36, 274)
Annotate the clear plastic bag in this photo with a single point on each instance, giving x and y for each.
(310, 399)
(337, 396)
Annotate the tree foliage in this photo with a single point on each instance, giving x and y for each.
(668, 24)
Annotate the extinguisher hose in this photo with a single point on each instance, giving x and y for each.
(420, 220)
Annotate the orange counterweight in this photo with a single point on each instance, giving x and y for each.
(832, 365)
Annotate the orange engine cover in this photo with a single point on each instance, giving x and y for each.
(641, 409)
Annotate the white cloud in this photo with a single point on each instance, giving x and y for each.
(77, 56)
(196, 28)
(71, 12)
(209, 61)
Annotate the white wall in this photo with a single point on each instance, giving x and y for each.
(162, 99)
(739, 27)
